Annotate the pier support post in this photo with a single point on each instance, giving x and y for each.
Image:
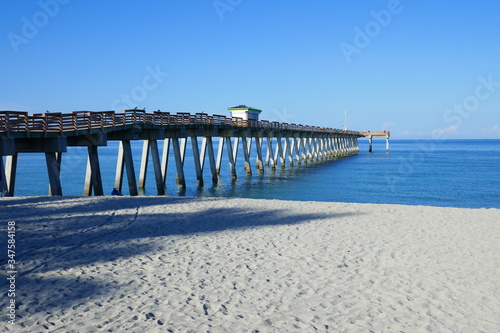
(315, 150)
(326, 140)
(3, 180)
(179, 151)
(231, 156)
(164, 160)
(308, 154)
(126, 161)
(155, 156)
(310, 149)
(335, 147)
(296, 145)
(58, 162)
(144, 164)
(207, 143)
(370, 142)
(247, 145)
(220, 151)
(93, 180)
(289, 149)
(151, 145)
(270, 155)
(258, 146)
(119, 169)
(9, 174)
(303, 148)
(54, 171)
(281, 153)
(324, 148)
(197, 161)
(322, 144)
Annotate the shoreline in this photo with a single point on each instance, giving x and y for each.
(142, 197)
(232, 264)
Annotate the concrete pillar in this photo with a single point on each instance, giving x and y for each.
(151, 145)
(231, 155)
(319, 148)
(269, 155)
(247, 145)
(179, 162)
(281, 153)
(314, 149)
(58, 162)
(54, 171)
(288, 149)
(10, 173)
(219, 155)
(3, 181)
(211, 159)
(93, 180)
(155, 156)
(328, 146)
(164, 160)
(126, 161)
(296, 146)
(208, 148)
(309, 152)
(144, 164)
(258, 146)
(196, 159)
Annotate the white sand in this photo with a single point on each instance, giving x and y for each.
(159, 264)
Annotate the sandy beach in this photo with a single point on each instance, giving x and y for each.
(167, 264)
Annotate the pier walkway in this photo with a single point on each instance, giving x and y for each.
(53, 133)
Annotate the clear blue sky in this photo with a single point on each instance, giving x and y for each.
(408, 66)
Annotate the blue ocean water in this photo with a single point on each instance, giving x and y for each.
(449, 173)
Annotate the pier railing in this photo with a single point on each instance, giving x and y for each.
(79, 121)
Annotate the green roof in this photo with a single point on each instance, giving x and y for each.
(243, 107)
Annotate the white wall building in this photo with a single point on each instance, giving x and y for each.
(245, 112)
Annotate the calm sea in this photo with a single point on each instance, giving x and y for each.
(450, 173)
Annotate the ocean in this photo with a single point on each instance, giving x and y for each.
(446, 173)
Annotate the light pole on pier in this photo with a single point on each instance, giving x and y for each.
(345, 119)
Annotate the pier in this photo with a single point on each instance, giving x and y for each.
(52, 133)
(370, 135)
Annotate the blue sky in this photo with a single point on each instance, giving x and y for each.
(421, 69)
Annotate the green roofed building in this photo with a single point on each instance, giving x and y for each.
(245, 112)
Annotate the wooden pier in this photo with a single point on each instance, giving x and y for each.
(53, 133)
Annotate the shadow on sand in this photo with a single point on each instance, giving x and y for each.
(61, 234)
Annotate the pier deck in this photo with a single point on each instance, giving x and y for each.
(53, 133)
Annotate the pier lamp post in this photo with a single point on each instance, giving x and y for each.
(345, 119)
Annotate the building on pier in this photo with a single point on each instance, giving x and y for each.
(245, 112)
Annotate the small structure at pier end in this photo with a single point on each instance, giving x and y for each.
(370, 135)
